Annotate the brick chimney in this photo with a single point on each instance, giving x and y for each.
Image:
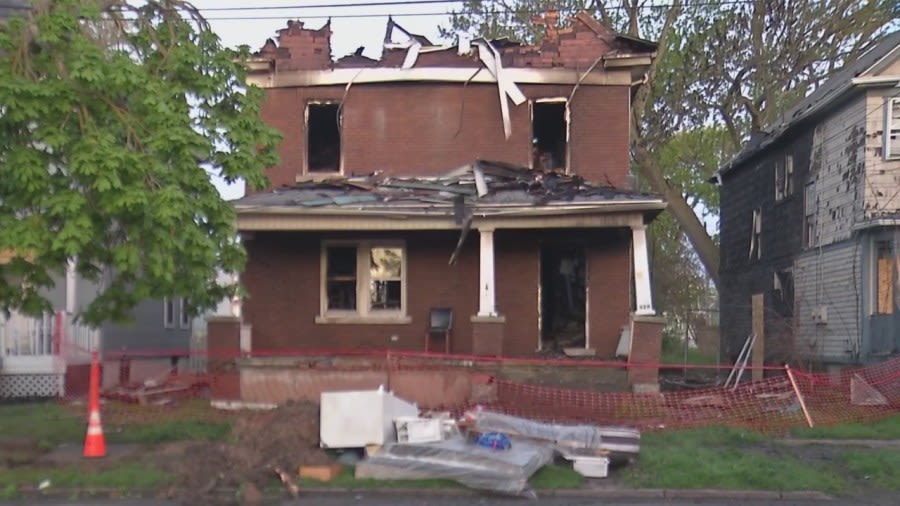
(304, 49)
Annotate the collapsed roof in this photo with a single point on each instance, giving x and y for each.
(484, 188)
(576, 46)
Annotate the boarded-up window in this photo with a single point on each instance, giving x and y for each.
(885, 273)
(892, 129)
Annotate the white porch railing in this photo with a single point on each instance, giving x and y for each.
(47, 335)
(26, 336)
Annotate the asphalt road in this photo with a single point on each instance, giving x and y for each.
(469, 500)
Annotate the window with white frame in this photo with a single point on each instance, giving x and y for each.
(364, 278)
(168, 313)
(184, 314)
(784, 175)
(892, 129)
(756, 235)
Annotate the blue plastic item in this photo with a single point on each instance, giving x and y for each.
(494, 441)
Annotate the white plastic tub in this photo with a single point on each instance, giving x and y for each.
(418, 430)
(591, 467)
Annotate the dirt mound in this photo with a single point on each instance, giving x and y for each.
(286, 438)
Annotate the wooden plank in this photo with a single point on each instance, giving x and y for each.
(759, 328)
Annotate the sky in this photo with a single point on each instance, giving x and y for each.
(351, 28)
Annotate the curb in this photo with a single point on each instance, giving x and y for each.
(614, 494)
(599, 493)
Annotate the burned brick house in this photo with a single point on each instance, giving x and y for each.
(484, 184)
(809, 223)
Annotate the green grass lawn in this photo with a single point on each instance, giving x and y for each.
(889, 428)
(49, 424)
(724, 458)
(881, 467)
(126, 477)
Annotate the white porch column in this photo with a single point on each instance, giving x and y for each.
(642, 293)
(487, 305)
(71, 280)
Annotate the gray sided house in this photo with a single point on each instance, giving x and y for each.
(810, 223)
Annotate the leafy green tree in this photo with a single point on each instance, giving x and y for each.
(112, 117)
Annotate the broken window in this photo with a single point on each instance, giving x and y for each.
(340, 271)
(885, 277)
(385, 281)
(809, 218)
(323, 137)
(550, 133)
(364, 278)
(783, 284)
(784, 175)
(756, 235)
(892, 129)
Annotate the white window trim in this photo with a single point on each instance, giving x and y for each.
(183, 320)
(363, 314)
(168, 315)
(340, 119)
(889, 127)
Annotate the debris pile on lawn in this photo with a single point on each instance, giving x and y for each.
(279, 440)
(485, 450)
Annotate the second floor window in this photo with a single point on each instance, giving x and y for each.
(756, 235)
(550, 134)
(892, 129)
(784, 175)
(323, 137)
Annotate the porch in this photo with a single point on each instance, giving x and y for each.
(44, 356)
(518, 262)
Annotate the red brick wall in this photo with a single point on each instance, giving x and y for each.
(282, 278)
(431, 128)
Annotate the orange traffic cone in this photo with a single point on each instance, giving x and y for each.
(94, 442)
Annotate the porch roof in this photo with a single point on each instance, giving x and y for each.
(481, 190)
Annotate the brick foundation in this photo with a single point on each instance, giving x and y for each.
(646, 346)
(487, 335)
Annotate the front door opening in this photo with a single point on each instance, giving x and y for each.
(549, 126)
(323, 138)
(563, 297)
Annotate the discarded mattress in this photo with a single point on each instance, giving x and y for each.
(620, 443)
(502, 471)
(569, 436)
